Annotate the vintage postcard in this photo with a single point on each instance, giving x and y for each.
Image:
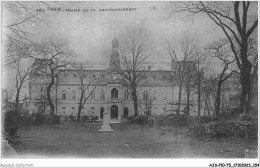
(163, 83)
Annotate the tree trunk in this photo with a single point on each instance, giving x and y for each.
(245, 77)
(79, 113)
(49, 96)
(17, 100)
(135, 99)
(188, 100)
(199, 97)
(135, 107)
(205, 106)
(246, 87)
(80, 106)
(217, 108)
(179, 100)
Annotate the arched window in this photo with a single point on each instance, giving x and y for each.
(114, 93)
(102, 95)
(145, 95)
(125, 112)
(101, 112)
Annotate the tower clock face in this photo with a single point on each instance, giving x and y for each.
(114, 77)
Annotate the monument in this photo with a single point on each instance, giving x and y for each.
(105, 125)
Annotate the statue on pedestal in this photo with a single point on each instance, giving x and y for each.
(106, 118)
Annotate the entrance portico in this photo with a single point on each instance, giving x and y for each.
(115, 109)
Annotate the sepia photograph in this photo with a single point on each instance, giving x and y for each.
(129, 80)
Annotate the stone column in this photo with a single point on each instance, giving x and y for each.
(106, 118)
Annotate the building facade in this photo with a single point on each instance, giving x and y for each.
(158, 92)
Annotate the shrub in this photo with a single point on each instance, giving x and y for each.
(199, 125)
(72, 117)
(10, 123)
(219, 128)
(228, 115)
(246, 126)
(141, 120)
(38, 119)
(50, 120)
(242, 126)
(159, 121)
(150, 122)
(25, 119)
(130, 119)
(57, 119)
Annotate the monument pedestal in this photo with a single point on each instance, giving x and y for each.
(105, 126)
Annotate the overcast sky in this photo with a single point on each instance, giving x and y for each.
(90, 33)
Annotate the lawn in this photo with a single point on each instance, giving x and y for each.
(82, 140)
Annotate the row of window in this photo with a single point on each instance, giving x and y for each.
(164, 77)
(75, 75)
(102, 109)
(114, 95)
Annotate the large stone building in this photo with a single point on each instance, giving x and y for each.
(158, 91)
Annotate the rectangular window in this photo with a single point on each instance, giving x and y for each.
(73, 108)
(93, 96)
(145, 96)
(102, 95)
(63, 96)
(63, 108)
(126, 95)
(73, 97)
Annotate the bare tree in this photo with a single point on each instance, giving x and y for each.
(147, 103)
(17, 59)
(135, 51)
(22, 19)
(219, 51)
(56, 56)
(209, 93)
(88, 83)
(182, 53)
(237, 20)
(202, 65)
